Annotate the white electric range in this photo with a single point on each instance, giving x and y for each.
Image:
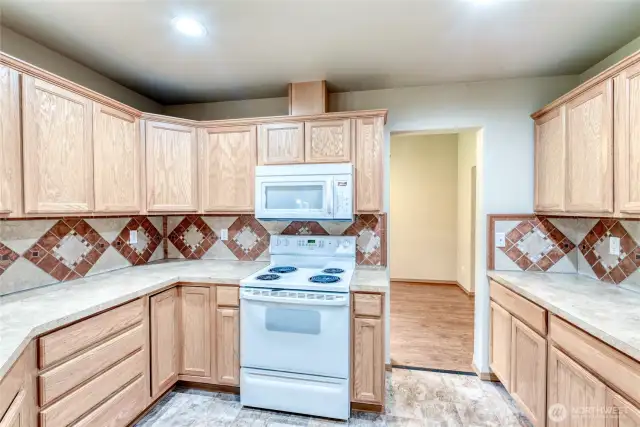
(294, 327)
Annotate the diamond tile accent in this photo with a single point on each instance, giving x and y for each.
(149, 238)
(7, 257)
(536, 245)
(248, 239)
(305, 228)
(370, 239)
(68, 250)
(595, 248)
(192, 237)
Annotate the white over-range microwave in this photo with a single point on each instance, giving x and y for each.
(309, 192)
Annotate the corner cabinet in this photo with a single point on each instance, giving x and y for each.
(172, 167)
(10, 143)
(164, 340)
(57, 149)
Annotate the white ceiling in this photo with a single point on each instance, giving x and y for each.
(255, 47)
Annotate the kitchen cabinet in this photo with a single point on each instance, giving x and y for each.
(18, 406)
(528, 371)
(589, 151)
(196, 331)
(550, 143)
(116, 147)
(281, 143)
(10, 143)
(228, 345)
(172, 167)
(227, 168)
(327, 141)
(500, 344)
(368, 361)
(627, 140)
(164, 340)
(369, 142)
(57, 149)
(571, 386)
(621, 412)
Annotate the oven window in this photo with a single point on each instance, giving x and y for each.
(294, 197)
(292, 321)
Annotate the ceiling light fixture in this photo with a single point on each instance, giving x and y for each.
(189, 27)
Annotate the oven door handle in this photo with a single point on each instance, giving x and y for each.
(299, 301)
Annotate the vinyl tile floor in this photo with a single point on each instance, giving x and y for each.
(414, 398)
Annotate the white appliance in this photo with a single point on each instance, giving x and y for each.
(294, 327)
(318, 191)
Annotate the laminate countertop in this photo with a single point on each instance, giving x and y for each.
(605, 311)
(25, 315)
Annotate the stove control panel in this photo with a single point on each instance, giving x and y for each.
(316, 245)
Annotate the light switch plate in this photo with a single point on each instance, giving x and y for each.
(614, 245)
(133, 236)
(501, 240)
(224, 234)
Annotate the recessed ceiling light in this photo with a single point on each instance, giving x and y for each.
(189, 27)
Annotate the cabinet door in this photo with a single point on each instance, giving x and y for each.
(528, 371)
(627, 135)
(195, 330)
(327, 141)
(58, 149)
(550, 161)
(281, 143)
(116, 147)
(572, 392)
(10, 139)
(227, 165)
(622, 412)
(172, 167)
(368, 361)
(164, 340)
(589, 122)
(500, 350)
(228, 346)
(17, 414)
(369, 140)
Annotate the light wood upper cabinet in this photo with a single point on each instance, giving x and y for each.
(573, 387)
(116, 148)
(172, 167)
(57, 149)
(164, 340)
(368, 361)
(281, 143)
(369, 141)
(228, 346)
(500, 344)
(327, 141)
(227, 165)
(589, 151)
(627, 140)
(196, 331)
(528, 372)
(620, 412)
(10, 143)
(550, 145)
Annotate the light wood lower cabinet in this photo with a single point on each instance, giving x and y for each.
(164, 340)
(18, 406)
(500, 344)
(196, 331)
(228, 345)
(621, 412)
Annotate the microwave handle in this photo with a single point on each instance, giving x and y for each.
(329, 196)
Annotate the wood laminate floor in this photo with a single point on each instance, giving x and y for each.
(431, 326)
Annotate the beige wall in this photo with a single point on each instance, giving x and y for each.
(466, 215)
(28, 50)
(230, 109)
(626, 50)
(423, 207)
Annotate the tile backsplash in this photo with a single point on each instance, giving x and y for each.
(567, 245)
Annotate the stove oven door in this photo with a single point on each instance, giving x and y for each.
(291, 331)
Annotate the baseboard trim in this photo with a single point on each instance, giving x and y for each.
(150, 406)
(210, 387)
(484, 376)
(434, 282)
(367, 407)
(388, 367)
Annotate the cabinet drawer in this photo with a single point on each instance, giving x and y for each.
(367, 304)
(83, 399)
(228, 295)
(120, 409)
(70, 374)
(62, 343)
(528, 312)
(615, 368)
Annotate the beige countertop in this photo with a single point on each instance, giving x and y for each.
(606, 311)
(26, 315)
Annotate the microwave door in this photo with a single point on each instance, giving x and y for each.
(292, 197)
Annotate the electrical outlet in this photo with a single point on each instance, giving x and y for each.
(501, 240)
(224, 234)
(133, 236)
(614, 245)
